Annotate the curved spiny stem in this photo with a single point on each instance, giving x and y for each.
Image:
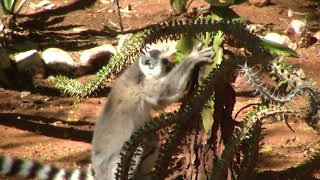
(167, 30)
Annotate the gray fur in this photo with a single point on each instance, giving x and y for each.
(129, 105)
(144, 86)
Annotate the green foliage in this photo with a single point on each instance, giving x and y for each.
(125, 56)
(184, 46)
(172, 30)
(278, 48)
(207, 116)
(214, 39)
(12, 7)
(218, 39)
(130, 147)
(179, 6)
(212, 30)
(9, 9)
(220, 3)
(246, 131)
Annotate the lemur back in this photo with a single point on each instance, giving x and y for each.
(123, 113)
(145, 85)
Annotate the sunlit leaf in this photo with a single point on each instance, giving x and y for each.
(21, 5)
(217, 41)
(8, 4)
(184, 46)
(220, 3)
(207, 116)
(278, 48)
(179, 5)
(267, 149)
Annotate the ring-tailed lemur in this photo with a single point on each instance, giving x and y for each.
(145, 85)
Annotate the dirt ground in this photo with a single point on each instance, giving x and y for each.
(47, 127)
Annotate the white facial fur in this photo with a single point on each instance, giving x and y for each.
(155, 68)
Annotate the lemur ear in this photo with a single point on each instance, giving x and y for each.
(155, 53)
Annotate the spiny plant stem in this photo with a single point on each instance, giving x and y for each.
(244, 132)
(191, 109)
(267, 92)
(128, 151)
(160, 32)
(250, 148)
(240, 133)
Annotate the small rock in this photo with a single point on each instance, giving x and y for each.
(317, 35)
(297, 14)
(93, 59)
(105, 1)
(46, 4)
(79, 29)
(296, 30)
(290, 13)
(280, 39)
(299, 33)
(58, 60)
(50, 79)
(97, 56)
(1, 26)
(29, 62)
(4, 59)
(259, 3)
(24, 94)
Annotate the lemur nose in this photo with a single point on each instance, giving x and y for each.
(165, 61)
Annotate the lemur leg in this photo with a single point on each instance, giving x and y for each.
(175, 85)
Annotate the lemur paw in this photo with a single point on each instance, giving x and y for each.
(204, 55)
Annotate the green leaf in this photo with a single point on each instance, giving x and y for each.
(207, 116)
(21, 5)
(267, 149)
(8, 4)
(278, 48)
(206, 39)
(184, 46)
(179, 6)
(282, 82)
(217, 41)
(220, 3)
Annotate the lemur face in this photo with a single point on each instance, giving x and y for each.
(153, 65)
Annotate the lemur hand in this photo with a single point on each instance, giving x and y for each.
(204, 55)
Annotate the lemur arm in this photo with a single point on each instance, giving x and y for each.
(174, 86)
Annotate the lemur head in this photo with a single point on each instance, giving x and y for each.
(153, 64)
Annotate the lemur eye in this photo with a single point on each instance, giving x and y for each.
(146, 61)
